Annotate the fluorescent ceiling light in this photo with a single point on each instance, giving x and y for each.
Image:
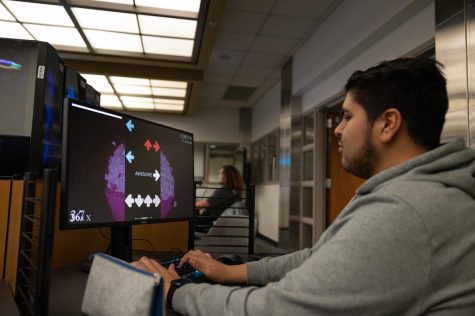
(171, 27)
(136, 99)
(13, 30)
(114, 41)
(180, 5)
(107, 20)
(169, 107)
(169, 84)
(169, 101)
(95, 79)
(130, 81)
(110, 101)
(131, 2)
(169, 92)
(138, 105)
(39, 13)
(112, 106)
(129, 89)
(99, 82)
(167, 46)
(5, 15)
(56, 35)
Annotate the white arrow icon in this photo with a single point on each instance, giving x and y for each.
(156, 175)
(156, 201)
(129, 200)
(148, 200)
(139, 200)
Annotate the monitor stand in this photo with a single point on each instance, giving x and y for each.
(121, 242)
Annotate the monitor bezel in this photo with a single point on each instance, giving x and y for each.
(63, 216)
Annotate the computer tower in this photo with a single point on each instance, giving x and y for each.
(31, 77)
(93, 97)
(75, 85)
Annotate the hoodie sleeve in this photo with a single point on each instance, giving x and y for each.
(378, 263)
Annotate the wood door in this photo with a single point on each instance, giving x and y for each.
(342, 184)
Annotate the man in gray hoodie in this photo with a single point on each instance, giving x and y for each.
(404, 245)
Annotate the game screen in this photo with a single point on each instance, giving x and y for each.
(117, 168)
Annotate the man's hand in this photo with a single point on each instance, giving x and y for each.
(153, 266)
(215, 270)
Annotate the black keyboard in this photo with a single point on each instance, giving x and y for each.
(187, 271)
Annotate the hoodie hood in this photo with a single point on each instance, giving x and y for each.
(451, 164)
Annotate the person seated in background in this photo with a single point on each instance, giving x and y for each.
(404, 245)
(231, 191)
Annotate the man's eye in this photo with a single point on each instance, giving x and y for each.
(346, 117)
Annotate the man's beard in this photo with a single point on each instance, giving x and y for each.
(363, 166)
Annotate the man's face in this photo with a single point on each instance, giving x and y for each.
(358, 154)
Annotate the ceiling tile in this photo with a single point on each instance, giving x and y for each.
(288, 27)
(209, 102)
(264, 60)
(246, 82)
(233, 41)
(189, 5)
(231, 104)
(217, 88)
(254, 72)
(216, 79)
(242, 22)
(261, 6)
(276, 74)
(221, 68)
(314, 9)
(227, 56)
(276, 45)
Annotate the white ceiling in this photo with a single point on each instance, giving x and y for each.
(255, 39)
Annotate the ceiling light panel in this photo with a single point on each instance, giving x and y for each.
(95, 79)
(131, 2)
(129, 89)
(169, 107)
(13, 30)
(110, 101)
(28, 12)
(5, 15)
(56, 35)
(114, 41)
(179, 5)
(171, 27)
(130, 81)
(136, 99)
(169, 92)
(169, 101)
(106, 20)
(169, 84)
(129, 105)
(167, 46)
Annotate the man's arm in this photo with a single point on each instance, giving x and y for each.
(377, 263)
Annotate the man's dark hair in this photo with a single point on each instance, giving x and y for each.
(414, 86)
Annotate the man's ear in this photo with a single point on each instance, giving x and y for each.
(390, 122)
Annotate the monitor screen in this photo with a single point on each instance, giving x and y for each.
(118, 169)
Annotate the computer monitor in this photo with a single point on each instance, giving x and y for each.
(118, 170)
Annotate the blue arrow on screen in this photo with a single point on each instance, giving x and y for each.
(129, 156)
(130, 125)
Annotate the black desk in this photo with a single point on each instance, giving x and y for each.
(69, 283)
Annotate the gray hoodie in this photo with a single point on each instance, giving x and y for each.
(405, 245)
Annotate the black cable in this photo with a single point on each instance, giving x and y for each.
(148, 241)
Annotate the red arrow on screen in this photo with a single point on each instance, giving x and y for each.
(156, 146)
(148, 145)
